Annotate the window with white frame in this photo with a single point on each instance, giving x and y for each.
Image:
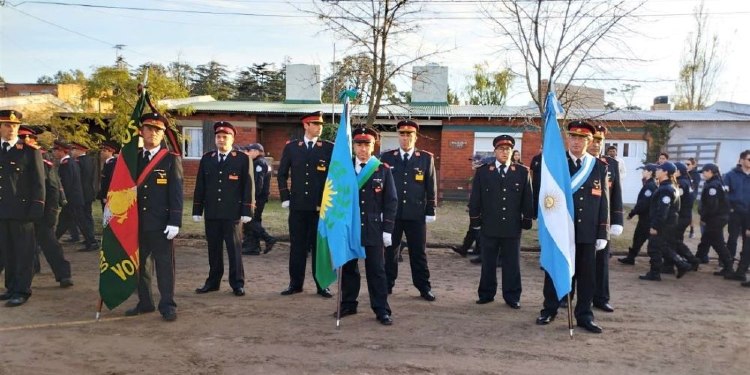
(483, 143)
(192, 142)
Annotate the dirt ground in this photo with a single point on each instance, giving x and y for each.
(696, 325)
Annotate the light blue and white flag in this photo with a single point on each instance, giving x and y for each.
(555, 216)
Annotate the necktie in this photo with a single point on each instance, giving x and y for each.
(361, 167)
(578, 164)
(5, 147)
(221, 158)
(146, 156)
(309, 145)
(501, 170)
(406, 157)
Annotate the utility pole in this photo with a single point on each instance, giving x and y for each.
(119, 61)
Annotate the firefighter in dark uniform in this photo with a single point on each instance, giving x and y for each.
(591, 218)
(663, 215)
(414, 174)
(44, 228)
(601, 288)
(159, 217)
(641, 208)
(70, 178)
(224, 195)
(108, 151)
(307, 160)
(714, 211)
(253, 231)
(685, 217)
(500, 206)
(378, 203)
(22, 195)
(88, 169)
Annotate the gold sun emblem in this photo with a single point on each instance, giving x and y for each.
(327, 201)
(550, 201)
(118, 204)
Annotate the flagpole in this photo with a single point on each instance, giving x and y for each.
(338, 300)
(570, 316)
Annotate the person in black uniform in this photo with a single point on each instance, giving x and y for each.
(695, 180)
(88, 169)
(714, 211)
(70, 178)
(307, 159)
(601, 288)
(591, 208)
(159, 217)
(641, 208)
(472, 235)
(224, 193)
(414, 173)
(22, 196)
(253, 231)
(108, 151)
(663, 215)
(684, 188)
(500, 206)
(378, 203)
(44, 228)
(536, 179)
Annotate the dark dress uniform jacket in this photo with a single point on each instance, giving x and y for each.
(714, 208)
(262, 180)
(22, 191)
(686, 197)
(378, 203)
(54, 194)
(70, 178)
(415, 183)
(498, 204)
(615, 191)
(591, 204)
(160, 195)
(309, 169)
(643, 202)
(536, 180)
(665, 207)
(86, 164)
(223, 190)
(107, 171)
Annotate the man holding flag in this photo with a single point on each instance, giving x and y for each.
(378, 203)
(573, 217)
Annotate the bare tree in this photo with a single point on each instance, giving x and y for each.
(700, 65)
(560, 41)
(377, 28)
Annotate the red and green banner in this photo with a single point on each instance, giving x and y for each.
(118, 259)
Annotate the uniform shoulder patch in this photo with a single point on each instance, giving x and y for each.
(426, 153)
(385, 165)
(207, 153)
(259, 169)
(648, 193)
(712, 191)
(603, 160)
(666, 199)
(520, 166)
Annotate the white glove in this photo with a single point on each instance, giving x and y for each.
(600, 244)
(615, 230)
(245, 219)
(285, 204)
(171, 231)
(387, 241)
(430, 219)
(197, 218)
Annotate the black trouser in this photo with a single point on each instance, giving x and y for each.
(156, 251)
(416, 232)
(253, 231)
(218, 233)
(601, 278)
(659, 248)
(713, 236)
(70, 215)
(584, 270)
(677, 241)
(18, 247)
(53, 252)
(640, 235)
(376, 282)
(735, 230)
(509, 249)
(303, 236)
(472, 235)
(86, 224)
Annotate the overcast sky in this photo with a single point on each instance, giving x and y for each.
(40, 39)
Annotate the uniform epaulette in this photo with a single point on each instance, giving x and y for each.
(206, 154)
(65, 161)
(423, 151)
(394, 151)
(603, 159)
(385, 164)
(35, 147)
(51, 164)
(520, 165)
(289, 141)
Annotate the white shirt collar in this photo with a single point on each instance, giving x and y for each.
(313, 140)
(64, 157)
(11, 142)
(357, 162)
(574, 158)
(498, 164)
(152, 151)
(402, 152)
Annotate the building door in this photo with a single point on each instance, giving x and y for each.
(632, 154)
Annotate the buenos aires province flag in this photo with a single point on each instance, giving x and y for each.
(555, 216)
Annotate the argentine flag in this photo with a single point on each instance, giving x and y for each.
(556, 228)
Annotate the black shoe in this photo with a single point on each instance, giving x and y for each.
(345, 312)
(590, 326)
(89, 248)
(269, 245)
(5, 296)
(746, 284)
(739, 276)
(651, 276)
(460, 250)
(473, 252)
(626, 260)
(72, 240)
(703, 260)
(513, 305)
(289, 291)
(427, 295)
(16, 301)
(694, 266)
(251, 252)
(682, 269)
(206, 289)
(545, 318)
(66, 283)
(477, 260)
(483, 301)
(325, 293)
(667, 270)
(137, 311)
(723, 272)
(385, 320)
(239, 292)
(170, 316)
(606, 307)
